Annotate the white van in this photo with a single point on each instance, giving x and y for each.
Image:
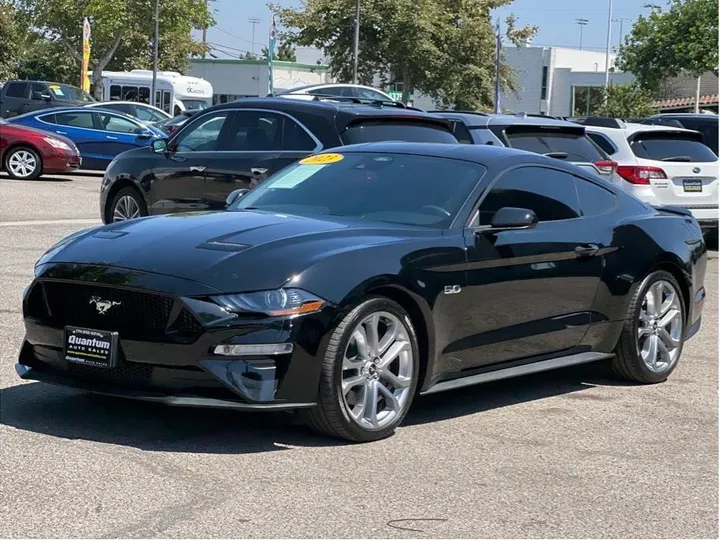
(174, 93)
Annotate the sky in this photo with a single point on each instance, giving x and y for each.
(555, 19)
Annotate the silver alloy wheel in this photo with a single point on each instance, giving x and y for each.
(660, 327)
(126, 208)
(22, 163)
(377, 370)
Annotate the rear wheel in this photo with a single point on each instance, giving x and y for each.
(652, 339)
(369, 373)
(23, 163)
(127, 204)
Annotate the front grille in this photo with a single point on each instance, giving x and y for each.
(127, 374)
(134, 315)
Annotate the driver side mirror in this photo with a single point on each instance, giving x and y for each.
(159, 146)
(510, 219)
(234, 196)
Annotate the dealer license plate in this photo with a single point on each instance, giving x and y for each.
(692, 185)
(97, 348)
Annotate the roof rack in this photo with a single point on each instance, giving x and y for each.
(478, 113)
(601, 121)
(349, 99)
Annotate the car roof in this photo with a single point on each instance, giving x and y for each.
(323, 85)
(684, 115)
(631, 128)
(55, 110)
(472, 119)
(97, 104)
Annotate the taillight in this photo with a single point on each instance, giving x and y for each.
(606, 166)
(636, 174)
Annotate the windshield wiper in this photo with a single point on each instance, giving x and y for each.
(677, 158)
(557, 155)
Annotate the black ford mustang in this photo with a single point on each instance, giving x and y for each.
(353, 280)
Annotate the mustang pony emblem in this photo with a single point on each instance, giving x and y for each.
(102, 305)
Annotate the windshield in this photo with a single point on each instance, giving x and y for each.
(67, 92)
(397, 188)
(195, 104)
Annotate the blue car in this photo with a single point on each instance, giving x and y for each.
(99, 134)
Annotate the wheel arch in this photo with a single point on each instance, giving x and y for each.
(667, 264)
(119, 184)
(21, 144)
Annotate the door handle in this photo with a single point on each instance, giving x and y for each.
(61, 132)
(197, 168)
(586, 250)
(258, 170)
(111, 138)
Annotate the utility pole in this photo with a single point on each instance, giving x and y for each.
(498, 47)
(356, 42)
(607, 47)
(581, 23)
(204, 30)
(253, 21)
(153, 99)
(621, 20)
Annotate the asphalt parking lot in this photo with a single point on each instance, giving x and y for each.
(570, 453)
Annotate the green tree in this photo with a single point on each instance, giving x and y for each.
(122, 31)
(444, 48)
(667, 43)
(626, 101)
(11, 39)
(284, 52)
(46, 60)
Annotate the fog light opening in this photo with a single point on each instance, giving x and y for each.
(254, 350)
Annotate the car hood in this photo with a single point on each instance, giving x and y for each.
(44, 133)
(228, 251)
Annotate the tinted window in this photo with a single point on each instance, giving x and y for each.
(709, 129)
(203, 134)
(398, 188)
(603, 143)
(37, 91)
(366, 93)
(148, 115)
(548, 140)
(550, 194)
(254, 132)
(75, 119)
(461, 132)
(482, 135)
(373, 131)
(110, 122)
(671, 147)
(122, 107)
(296, 138)
(594, 200)
(16, 90)
(338, 91)
(115, 92)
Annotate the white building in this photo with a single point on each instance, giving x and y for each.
(555, 81)
(233, 79)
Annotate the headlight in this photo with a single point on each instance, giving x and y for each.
(276, 303)
(57, 143)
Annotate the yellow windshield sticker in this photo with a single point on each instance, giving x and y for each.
(322, 159)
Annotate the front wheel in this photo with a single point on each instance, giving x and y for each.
(23, 163)
(126, 204)
(369, 373)
(652, 339)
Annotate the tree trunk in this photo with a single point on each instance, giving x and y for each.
(99, 64)
(697, 95)
(407, 88)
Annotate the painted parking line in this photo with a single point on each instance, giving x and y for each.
(28, 223)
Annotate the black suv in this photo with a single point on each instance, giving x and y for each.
(20, 97)
(237, 145)
(707, 124)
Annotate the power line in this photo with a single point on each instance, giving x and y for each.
(233, 35)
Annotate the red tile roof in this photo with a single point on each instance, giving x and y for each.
(672, 103)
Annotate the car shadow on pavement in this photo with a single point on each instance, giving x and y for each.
(70, 414)
(40, 179)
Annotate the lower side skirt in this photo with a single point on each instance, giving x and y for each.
(516, 371)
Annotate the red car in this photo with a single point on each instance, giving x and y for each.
(26, 153)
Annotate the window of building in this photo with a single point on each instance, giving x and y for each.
(543, 87)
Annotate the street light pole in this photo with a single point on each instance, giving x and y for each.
(607, 47)
(253, 21)
(356, 42)
(153, 98)
(581, 23)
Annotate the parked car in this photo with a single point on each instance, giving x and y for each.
(237, 145)
(171, 125)
(98, 133)
(339, 90)
(142, 111)
(662, 165)
(543, 135)
(353, 280)
(27, 153)
(20, 97)
(707, 124)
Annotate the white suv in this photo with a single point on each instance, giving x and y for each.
(662, 165)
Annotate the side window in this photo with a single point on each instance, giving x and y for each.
(146, 114)
(482, 135)
(122, 107)
(296, 138)
(75, 119)
(129, 93)
(116, 124)
(461, 132)
(603, 142)
(144, 94)
(37, 91)
(594, 200)
(203, 133)
(255, 132)
(366, 93)
(16, 90)
(115, 93)
(549, 193)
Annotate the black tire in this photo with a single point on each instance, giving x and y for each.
(628, 363)
(126, 192)
(38, 163)
(331, 416)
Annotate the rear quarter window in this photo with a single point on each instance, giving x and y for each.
(374, 131)
(675, 147)
(541, 140)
